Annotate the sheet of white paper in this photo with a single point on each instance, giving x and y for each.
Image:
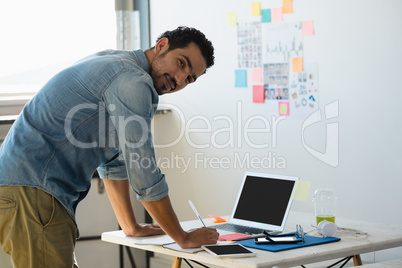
(303, 91)
(156, 240)
(176, 247)
(281, 42)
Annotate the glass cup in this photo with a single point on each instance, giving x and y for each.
(325, 205)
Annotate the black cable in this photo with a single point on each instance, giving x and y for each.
(196, 262)
(188, 263)
(346, 259)
(200, 264)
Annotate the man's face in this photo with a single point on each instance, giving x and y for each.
(172, 70)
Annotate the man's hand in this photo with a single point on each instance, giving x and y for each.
(199, 237)
(145, 230)
(162, 212)
(119, 196)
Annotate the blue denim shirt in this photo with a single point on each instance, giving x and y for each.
(93, 115)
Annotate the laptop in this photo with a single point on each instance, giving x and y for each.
(263, 204)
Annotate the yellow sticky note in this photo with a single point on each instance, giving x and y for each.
(256, 9)
(287, 6)
(301, 190)
(284, 108)
(297, 64)
(232, 18)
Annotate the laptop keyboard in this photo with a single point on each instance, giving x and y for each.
(237, 228)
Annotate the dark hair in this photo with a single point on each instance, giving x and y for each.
(183, 36)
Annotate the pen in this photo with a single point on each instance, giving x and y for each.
(196, 212)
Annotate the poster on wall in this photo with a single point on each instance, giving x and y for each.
(281, 42)
(274, 49)
(249, 44)
(303, 90)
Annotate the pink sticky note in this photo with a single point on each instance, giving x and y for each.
(258, 93)
(308, 27)
(284, 108)
(276, 14)
(231, 237)
(256, 75)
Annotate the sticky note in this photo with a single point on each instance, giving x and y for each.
(232, 18)
(276, 14)
(308, 27)
(232, 237)
(284, 108)
(258, 93)
(218, 219)
(301, 190)
(256, 75)
(256, 9)
(287, 6)
(297, 64)
(241, 78)
(265, 15)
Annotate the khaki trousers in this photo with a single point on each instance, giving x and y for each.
(35, 229)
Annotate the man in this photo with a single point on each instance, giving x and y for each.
(94, 115)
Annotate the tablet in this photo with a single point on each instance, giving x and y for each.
(230, 250)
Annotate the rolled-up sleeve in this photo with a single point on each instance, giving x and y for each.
(131, 101)
(114, 169)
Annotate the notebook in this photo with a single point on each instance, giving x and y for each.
(263, 204)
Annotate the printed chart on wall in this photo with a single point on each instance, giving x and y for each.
(304, 91)
(281, 41)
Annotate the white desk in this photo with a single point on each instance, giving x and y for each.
(387, 264)
(379, 237)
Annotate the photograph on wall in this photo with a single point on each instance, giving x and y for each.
(249, 44)
(276, 81)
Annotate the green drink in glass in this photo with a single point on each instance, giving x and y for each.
(325, 205)
(321, 218)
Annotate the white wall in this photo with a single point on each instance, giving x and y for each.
(357, 48)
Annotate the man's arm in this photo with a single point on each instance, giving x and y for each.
(119, 196)
(162, 212)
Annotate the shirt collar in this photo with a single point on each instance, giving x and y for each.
(142, 59)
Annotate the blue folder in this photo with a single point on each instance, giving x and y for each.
(308, 241)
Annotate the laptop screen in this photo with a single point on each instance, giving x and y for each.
(265, 199)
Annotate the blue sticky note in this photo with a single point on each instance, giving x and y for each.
(241, 78)
(266, 15)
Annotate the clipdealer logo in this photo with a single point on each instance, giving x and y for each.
(236, 133)
(331, 154)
